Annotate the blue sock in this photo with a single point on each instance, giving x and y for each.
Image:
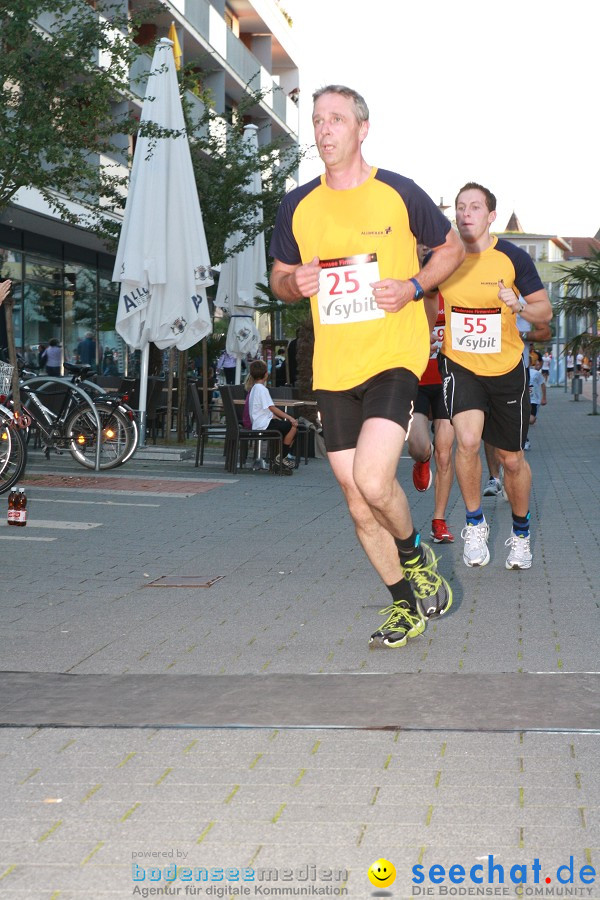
(521, 525)
(475, 517)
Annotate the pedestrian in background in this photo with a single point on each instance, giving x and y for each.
(52, 357)
(265, 415)
(86, 350)
(226, 365)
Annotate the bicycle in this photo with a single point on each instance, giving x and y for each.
(61, 412)
(13, 447)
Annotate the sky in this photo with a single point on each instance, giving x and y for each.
(503, 93)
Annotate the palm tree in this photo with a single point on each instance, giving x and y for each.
(581, 298)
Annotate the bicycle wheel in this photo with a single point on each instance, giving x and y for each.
(118, 441)
(13, 454)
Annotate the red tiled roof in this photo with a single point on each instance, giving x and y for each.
(582, 247)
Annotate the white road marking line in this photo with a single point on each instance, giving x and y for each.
(24, 537)
(85, 490)
(72, 526)
(94, 502)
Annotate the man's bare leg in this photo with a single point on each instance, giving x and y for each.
(444, 469)
(376, 484)
(419, 438)
(468, 428)
(517, 480)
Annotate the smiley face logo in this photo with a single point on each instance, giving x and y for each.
(382, 873)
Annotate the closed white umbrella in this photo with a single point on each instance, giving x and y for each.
(240, 274)
(162, 260)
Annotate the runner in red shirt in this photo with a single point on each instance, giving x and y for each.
(430, 407)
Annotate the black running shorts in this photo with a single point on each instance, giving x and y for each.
(430, 401)
(503, 398)
(388, 395)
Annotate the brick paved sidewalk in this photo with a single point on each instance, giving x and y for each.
(298, 597)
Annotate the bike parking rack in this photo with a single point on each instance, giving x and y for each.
(57, 379)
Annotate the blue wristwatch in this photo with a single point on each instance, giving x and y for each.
(418, 289)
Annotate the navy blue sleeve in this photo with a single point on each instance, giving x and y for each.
(428, 224)
(527, 279)
(283, 244)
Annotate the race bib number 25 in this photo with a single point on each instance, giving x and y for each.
(345, 292)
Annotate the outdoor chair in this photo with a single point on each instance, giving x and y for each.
(204, 429)
(131, 387)
(238, 436)
(155, 409)
(109, 382)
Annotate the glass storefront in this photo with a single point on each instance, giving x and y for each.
(73, 302)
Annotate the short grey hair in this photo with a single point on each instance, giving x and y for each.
(361, 110)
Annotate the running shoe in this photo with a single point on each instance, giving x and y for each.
(520, 555)
(492, 488)
(440, 532)
(432, 593)
(401, 624)
(286, 463)
(476, 551)
(422, 474)
(278, 467)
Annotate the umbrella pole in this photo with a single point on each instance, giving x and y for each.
(238, 370)
(205, 375)
(144, 364)
(167, 431)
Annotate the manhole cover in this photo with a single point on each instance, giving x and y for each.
(199, 581)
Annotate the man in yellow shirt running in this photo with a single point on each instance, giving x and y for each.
(348, 240)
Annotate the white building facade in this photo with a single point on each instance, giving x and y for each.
(61, 274)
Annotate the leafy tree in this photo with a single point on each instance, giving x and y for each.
(224, 165)
(582, 299)
(64, 74)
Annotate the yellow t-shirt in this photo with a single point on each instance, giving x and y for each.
(360, 235)
(481, 331)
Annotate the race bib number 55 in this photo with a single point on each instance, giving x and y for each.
(345, 294)
(476, 330)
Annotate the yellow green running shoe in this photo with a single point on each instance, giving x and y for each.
(401, 623)
(433, 594)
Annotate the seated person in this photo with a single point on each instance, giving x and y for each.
(263, 413)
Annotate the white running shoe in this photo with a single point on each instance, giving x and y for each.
(492, 488)
(476, 551)
(520, 555)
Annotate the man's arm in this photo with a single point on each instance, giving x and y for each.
(392, 294)
(431, 304)
(538, 309)
(4, 290)
(536, 333)
(292, 283)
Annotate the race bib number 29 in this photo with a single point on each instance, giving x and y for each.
(345, 292)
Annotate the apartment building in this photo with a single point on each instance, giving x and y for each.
(553, 255)
(62, 275)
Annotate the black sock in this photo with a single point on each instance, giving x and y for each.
(401, 593)
(521, 525)
(409, 549)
